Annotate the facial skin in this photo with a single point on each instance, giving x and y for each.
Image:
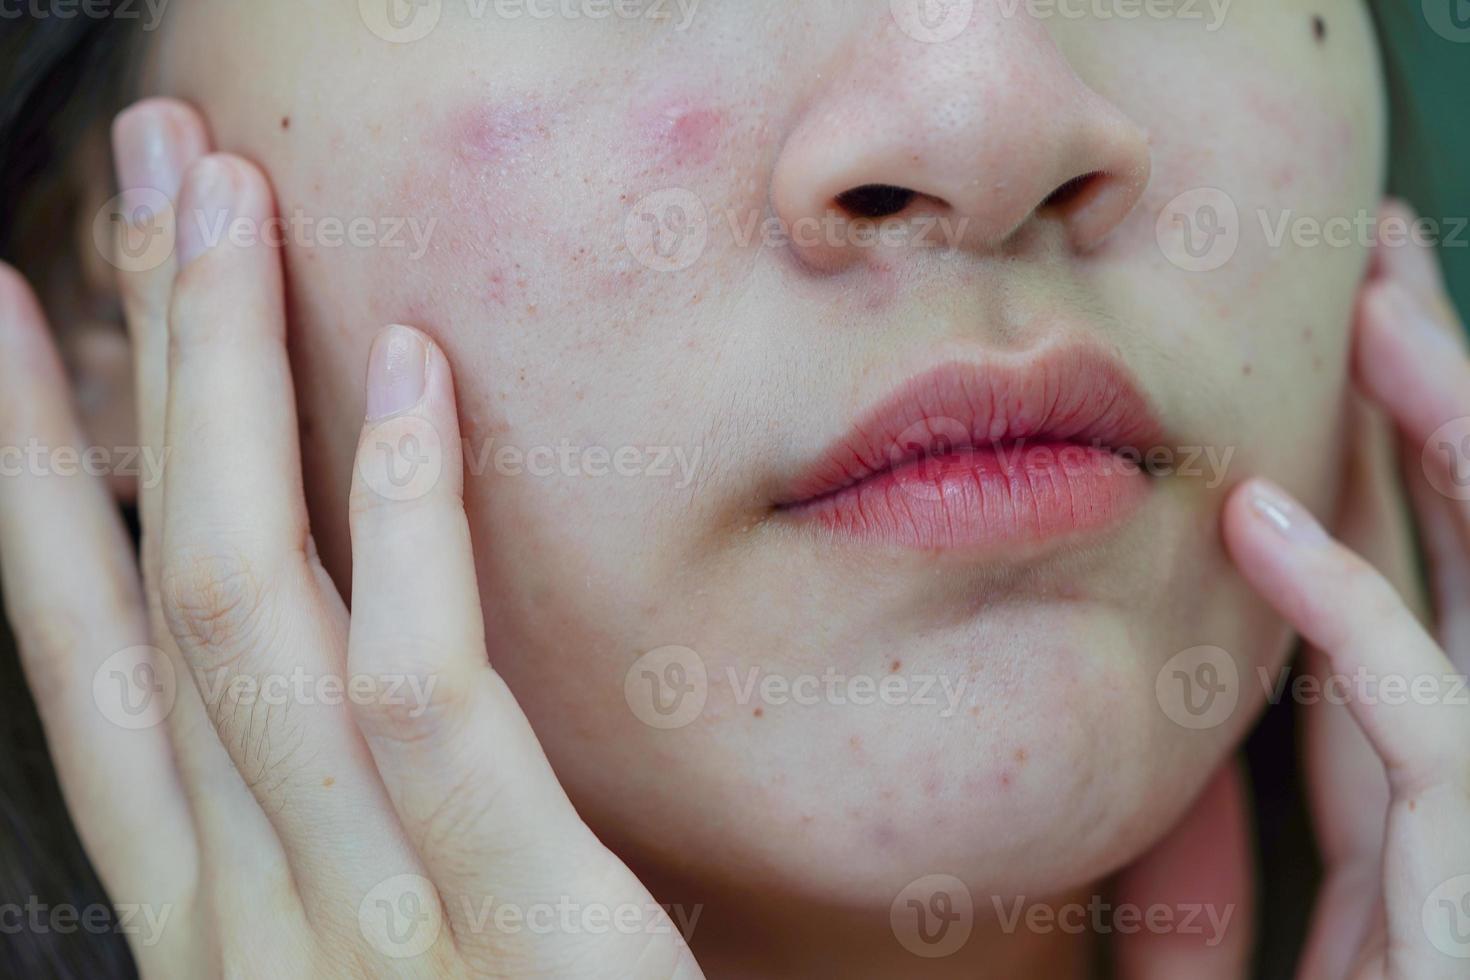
(525, 143)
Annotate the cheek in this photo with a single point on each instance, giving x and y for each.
(535, 203)
(679, 134)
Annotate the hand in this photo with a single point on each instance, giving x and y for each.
(1389, 770)
(395, 827)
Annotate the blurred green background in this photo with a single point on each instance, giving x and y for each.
(1427, 58)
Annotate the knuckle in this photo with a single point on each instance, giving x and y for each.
(412, 700)
(459, 815)
(213, 602)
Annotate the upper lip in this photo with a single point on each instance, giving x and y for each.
(1073, 394)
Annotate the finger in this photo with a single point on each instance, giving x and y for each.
(1411, 358)
(1202, 868)
(1404, 693)
(1411, 362)
(257, 619)
(1342, 605)
(1346, 785)
(1349, 804)
(72, 596)
(1447, 557)
(154, 143)
(466, 773)
(1403, 251)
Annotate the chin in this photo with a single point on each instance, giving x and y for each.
(1053, 768)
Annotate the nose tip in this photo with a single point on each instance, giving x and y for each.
(990, 134)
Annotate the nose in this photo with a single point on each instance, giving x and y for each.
(989, 131)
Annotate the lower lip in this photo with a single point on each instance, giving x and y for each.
(978, 498)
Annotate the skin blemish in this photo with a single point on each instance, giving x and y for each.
(498, 132)
(759, 712)
(1319, 29)
(285, 122)
(895, 667)
(683, 134)
(882, 286)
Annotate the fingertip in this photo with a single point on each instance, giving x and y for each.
(17, 300)
(1405, 246)
(224, 200)
(26, 336)
(1407, 362)
(398, 371)
(1263, 507)
(154, 141)
(409, 446)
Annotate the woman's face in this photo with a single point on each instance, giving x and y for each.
(675, 346)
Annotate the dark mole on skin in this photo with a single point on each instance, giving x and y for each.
(1319, 28)
(285, 122)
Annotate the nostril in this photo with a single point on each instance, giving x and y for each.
(875, 200)
(1072, 191)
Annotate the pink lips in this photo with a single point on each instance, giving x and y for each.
(971, 456)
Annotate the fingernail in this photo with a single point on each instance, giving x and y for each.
(397, 368)
(1415, 316)
(1290, 519)
(205, 204)
(150, 160)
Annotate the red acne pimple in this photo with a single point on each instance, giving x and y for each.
(683, 134)
(495, 133)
